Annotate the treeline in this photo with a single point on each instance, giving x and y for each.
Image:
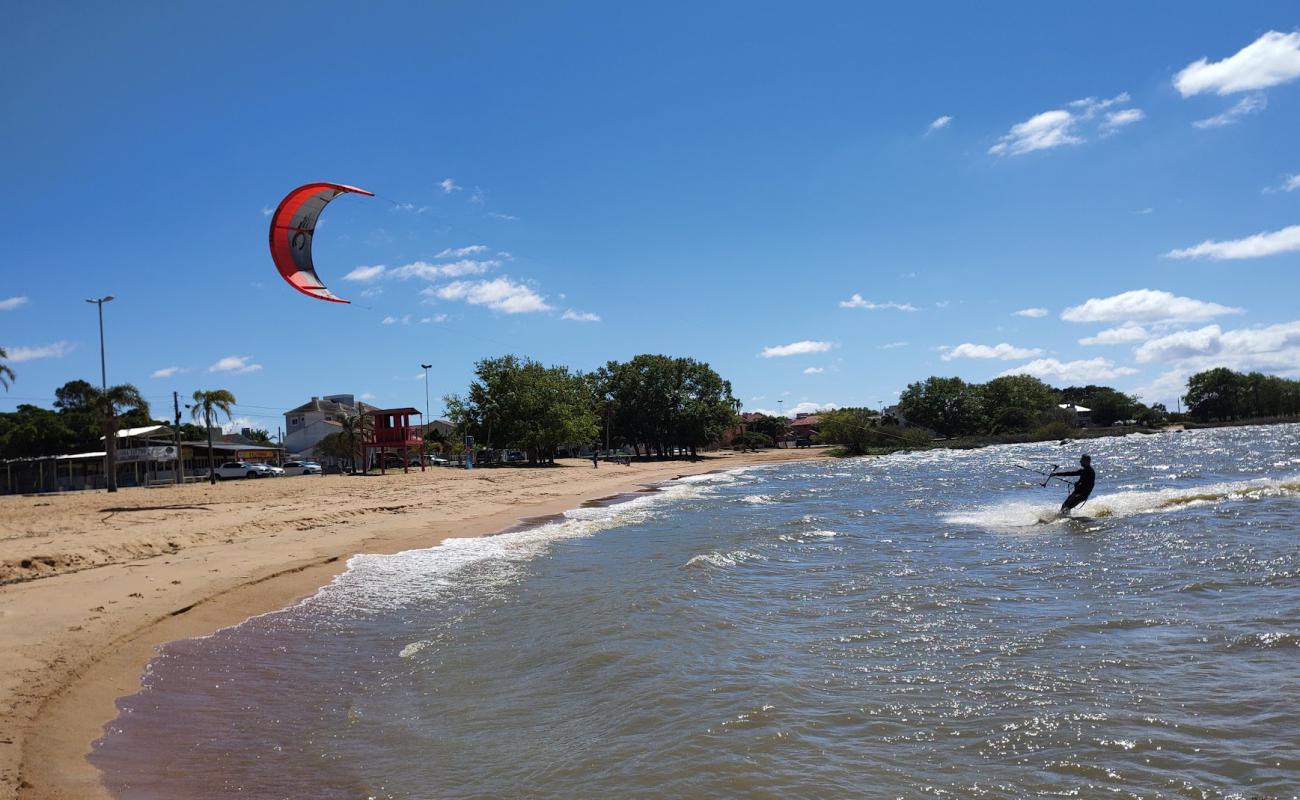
(654, 404)
(1219, 395)
(77, 422)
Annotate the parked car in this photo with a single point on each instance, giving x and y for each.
(273, 471)
(242, 469)
(301, 468)
(391, 460)
(514, 457)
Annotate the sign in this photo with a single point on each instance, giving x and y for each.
(132, 454)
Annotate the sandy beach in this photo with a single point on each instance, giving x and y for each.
(94, 582)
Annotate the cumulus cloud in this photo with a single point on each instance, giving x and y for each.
(236, 364)
(1250, 104)
(802, 348)
(501, 294)
(1275, 348)
(1124, 334)
(448, 186)
(1003, 351)
(1286, 240)
(237, 424)
(856, 301)
(939, 124)
(805, 407)
(363, 274)
(1081, 371)
(10, 303)
(580, 316)
(391, 320)
(1031, 312)
(1272, 59)
(165, 372)
(1145, 305)
(813, 371)
(434, 318)
(20, 353)
(1059, 127)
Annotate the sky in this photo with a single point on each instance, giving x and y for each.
(824, 203)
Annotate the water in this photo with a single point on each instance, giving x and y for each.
(902, 627)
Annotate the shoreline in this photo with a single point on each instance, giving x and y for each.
(76, 641)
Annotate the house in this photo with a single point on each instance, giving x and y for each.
(312, 421)
(1078, 414)
(805, 427)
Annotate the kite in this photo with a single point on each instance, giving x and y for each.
(292, 226)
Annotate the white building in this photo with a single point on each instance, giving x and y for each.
(312, 421)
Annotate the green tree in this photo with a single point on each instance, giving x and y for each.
(31, 431)
(949, 406)
(260, 435)
(774, 427)
(1016, 402)
(662, 404)
(355, 430)
(106, 404)
(1110, 406)
(1214, 394)
(207, 402)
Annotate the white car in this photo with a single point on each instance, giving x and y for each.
(301, 468)
(273, 470)
(243, 469)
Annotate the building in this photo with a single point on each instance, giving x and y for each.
(804, 427)
(312, 421)
(1078, 414)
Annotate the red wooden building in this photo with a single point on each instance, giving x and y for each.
(391, 429)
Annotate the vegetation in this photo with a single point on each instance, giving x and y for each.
(6, 372)
(1222, 395)
(665, 406)
(206, 403)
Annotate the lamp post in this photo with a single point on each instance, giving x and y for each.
(110, 437)
(424, 440)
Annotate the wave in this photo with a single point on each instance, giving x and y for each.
(1016, 514)
(716, 559)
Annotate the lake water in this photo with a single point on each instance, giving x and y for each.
(900, 627)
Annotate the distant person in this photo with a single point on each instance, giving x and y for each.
(595, 459)
(1082, 487)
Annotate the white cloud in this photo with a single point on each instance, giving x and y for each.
(813, 371)
(372, 291)
(10, 303)
(1145, 211)
(1272, 59)
(808, 407)
(1082, 371)
(391, 320)
(1033, 313)
(1292, 183)
(367, 396)
(434, 318)
(501, 294)
(1118, 119)
(236, 364)
(267, 211)
(499, 215)
(363, 274)
(1128, 332)
(1286, 240)
(856, 301)
(165, 372)
(461, 252)
(1040, 132)
(580, 316)
(1145, 305)
(1003, 351)
(1250, 104)
(1059, 127)
(237, 424)
(892, 345)
(939, 124)
(1275, 348)
(801, 348)
(20, 353)
(477, 197)
(448, 186)
(456, 269)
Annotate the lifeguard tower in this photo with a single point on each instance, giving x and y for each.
(391, 429)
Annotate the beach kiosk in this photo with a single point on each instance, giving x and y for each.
(391, 429)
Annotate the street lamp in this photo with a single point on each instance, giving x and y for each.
(425, 437)
(110, 443)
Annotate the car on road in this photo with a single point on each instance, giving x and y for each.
(273, 471)
(243, 469)
(302, 468)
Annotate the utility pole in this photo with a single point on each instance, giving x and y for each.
(180, 463)
(424, 437)
(110, 435)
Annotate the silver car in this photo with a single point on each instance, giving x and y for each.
(301, 468)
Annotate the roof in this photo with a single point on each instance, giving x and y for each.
(127, 433)
(1075, 408)
(373, 410)
(808, 421)
(323, 406)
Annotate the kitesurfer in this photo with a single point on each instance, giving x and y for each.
(1082, 487)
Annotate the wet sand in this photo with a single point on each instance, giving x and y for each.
(94, 582)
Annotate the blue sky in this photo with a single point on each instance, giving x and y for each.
(824, 203)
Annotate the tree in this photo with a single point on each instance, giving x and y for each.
(191, 432)
(949, 406)
(665, 404)
(773, 427)
(1016, 402)
(1214, 394)
(260, 435)
(1110, 406)
(352, 439)
(105, 404)
(207, 402)
(31, 431)
(6, 373)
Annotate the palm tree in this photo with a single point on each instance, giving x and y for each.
(205, 403)
(6, 374)
(104, 404)
(353, 435)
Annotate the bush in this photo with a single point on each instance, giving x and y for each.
(1053, 430)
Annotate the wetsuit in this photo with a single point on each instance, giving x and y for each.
(1082, 487)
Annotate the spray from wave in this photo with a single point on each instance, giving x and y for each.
(1019, 513)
